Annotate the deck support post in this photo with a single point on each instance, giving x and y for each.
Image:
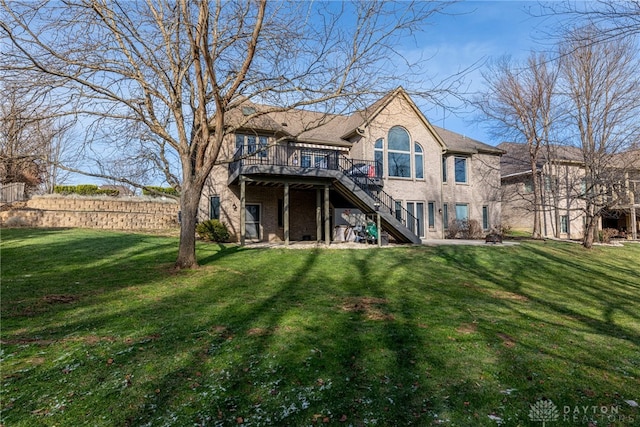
(634, 223)
(286, 214)
(379, 230)
(327, 223)
(243, 210)
(318, 215)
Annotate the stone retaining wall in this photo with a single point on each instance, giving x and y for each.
(89, 212)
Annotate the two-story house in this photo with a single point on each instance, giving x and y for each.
(560, 174)
(303, 175)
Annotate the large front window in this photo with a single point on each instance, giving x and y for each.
(399, 152)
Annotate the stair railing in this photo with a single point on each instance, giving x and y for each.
(366, 174)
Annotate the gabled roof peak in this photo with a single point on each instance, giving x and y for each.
(338, 129)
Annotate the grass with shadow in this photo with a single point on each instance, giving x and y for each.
(98, 330)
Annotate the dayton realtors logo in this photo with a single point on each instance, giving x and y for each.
(544, 411)
(595, 414)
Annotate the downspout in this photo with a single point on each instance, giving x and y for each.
(543, 206)
(555, 183)
(442, 235)
(634, 220)
(568, 200)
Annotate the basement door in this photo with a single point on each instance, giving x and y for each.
(252, 222)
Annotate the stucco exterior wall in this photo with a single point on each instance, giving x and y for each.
(554, 203)
(517, 205)
(418, 190)
(481, 189)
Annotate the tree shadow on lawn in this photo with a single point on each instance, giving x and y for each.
(298, 337)
(105, 339)
(73, 266)
(297, 353)
(559, 337)
(588, 287)
(561, 283)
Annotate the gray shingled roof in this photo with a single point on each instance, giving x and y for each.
(330, 129)
(516, 158)
(310, 126)
(457, 143)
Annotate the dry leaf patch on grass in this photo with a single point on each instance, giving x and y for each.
(371, 308)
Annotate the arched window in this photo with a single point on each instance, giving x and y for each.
(399, 152)
(419, 161)
(378, 152)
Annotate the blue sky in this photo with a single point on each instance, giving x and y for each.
(471, 32)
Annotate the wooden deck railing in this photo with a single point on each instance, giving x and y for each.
(367, 174)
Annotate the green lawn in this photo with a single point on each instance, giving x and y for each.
(98, 330)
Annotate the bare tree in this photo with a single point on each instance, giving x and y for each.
(518, 102)
(611, 19)
(58, 154)
(601, 85)
(31, 136)
(168, 72)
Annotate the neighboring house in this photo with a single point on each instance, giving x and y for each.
(560, 175)
(624, 215)
(302, 175)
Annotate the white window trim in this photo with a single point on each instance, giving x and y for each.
(466, 170)
(411, 154)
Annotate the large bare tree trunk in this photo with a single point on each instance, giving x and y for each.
(536, 233)
(590, 231)
(189, 201)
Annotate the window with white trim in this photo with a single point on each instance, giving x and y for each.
(418, 160)
(462, 211)
(399, 152)
(416, 224)
(431, 207)
(564, 224)
(460, 168)
(378, 156)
